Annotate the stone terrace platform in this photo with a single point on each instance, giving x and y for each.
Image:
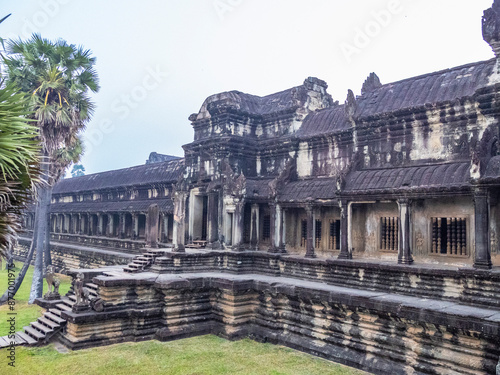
(383, 318)
(73, 255)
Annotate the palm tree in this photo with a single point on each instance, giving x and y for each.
(58, 78)
(19, 152)
(18, 163)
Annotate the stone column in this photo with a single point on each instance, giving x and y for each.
(89, 225)
(179, 235)
(135, 223)
(237, 244)
(100, 224)
(282, 231)
(273, 230)
(67, 223)
(121, 226)
(344, 231)
(80, 224)
(404, 252)
(310, 232)
(254, 227)
(213, 215)
(482, 258)
(276, 228)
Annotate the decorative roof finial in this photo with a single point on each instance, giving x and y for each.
(371, 84)
(350, 105)
(491, 27)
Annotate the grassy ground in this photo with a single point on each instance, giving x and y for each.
(195, 356)
(207, 355)
(25, 313)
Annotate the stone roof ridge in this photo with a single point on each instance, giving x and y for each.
(290, 98)
(136, 175)
(431, 88)
(435, 73)
(155, 157)
(132, 168)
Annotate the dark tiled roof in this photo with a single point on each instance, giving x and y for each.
(492, 169)
(302, 190)
(258, 188)
(258, 105)
(326, 121)
(155, 157)
(164, 172)
(446, 85)
(164, 205)
(436, 87)
(429, 177)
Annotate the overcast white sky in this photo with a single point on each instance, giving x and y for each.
(158, 60)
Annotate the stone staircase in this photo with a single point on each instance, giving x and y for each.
(145, 260)
(51, 322)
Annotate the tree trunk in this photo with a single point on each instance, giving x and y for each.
(22, 273)
(39, 234)
(46, 248)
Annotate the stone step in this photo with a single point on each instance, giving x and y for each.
(156, 251)
(27, 338)
(4, 341)
(140, 262)
(130, 270)
(49, 323)
(37, 335)
(64, 307)
(42, 328)
(56, 312)
(57, 319)
(92, 286)
(68, 301)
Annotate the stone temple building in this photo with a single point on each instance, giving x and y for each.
(394, 192)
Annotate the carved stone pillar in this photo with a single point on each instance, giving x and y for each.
(121, 226)
(56, 223)
(272, 228)
(152, 226)
(213, 215)
(276, 228)
(404, 252)
(282, 244)
(310, 232)
(135, 223)
(238, 227)
(100, 224)
(179, 236)
(254, 227)
(165, 227)
(344, 232)
(482, 258)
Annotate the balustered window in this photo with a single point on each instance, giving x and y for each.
(317, 233)
(334, 238)
(389, 234)
(449, 236)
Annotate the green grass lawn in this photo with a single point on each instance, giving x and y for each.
(207, 355)
(195, 356)
(25, 313)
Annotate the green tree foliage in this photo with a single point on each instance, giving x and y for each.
(58, 77)
(18, 163)
(78, 170)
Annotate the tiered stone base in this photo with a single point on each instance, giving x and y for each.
(382, 332)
